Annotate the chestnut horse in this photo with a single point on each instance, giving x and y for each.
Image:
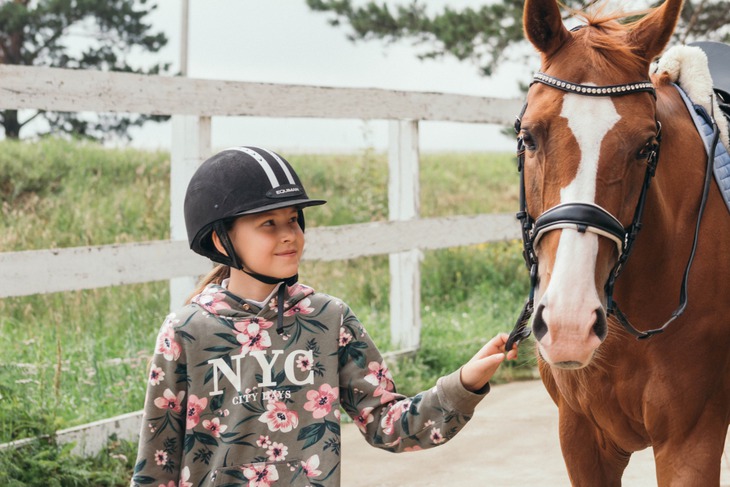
(590, 132)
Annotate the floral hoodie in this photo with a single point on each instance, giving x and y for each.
(232, 402)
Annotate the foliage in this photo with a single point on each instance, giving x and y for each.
(44, 463)
(489, 34)
(76, 34)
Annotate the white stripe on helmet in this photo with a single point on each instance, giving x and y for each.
(281, 163)
(262, 162)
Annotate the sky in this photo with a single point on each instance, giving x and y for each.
(283, 41)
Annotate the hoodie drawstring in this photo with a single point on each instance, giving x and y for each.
(280, 308)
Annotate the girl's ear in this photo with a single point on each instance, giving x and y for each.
(218, 244)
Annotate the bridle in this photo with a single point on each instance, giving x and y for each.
(589, 217)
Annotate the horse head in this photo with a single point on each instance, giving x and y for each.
(589, 138)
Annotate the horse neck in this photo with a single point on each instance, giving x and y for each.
(665, 240)
(675, 192)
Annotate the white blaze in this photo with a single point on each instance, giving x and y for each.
(590, 119)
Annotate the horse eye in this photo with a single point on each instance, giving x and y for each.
(647, 150)
(528, 141)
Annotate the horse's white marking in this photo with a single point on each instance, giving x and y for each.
(574, 296)
(590, 119)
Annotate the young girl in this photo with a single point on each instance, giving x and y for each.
(247, 380)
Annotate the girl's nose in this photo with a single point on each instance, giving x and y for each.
(287, 233)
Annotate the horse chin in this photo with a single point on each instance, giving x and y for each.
(573, 364)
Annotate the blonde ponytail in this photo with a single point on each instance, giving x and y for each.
(215, 276)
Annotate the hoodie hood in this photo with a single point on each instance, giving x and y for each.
(218, 301)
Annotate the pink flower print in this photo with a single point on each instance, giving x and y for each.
(310, 466)
(391, 417)
(405, 406)
(260, 475)
(171, 483)
(321, 401)
(394, 442)
(412, 448)
(302, 307)
(195, 407)
(160, 457)
(279, 418)
(253, 334)
(184, 477)
(299, 288)
(380, 377)
(211, 300)
(170, 401)
(436, 436)
(263, 441)
(345, 337)
(363, 419)
(156, 375)
(166, 344)
(304, 363)
(215, 427)
(277, 452)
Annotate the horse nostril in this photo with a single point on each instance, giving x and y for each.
(600, 327)
(539, 327)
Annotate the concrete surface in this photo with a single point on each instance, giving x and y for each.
(511, 441)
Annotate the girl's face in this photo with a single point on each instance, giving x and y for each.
(269, 243)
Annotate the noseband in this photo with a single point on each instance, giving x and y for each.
(583, 217)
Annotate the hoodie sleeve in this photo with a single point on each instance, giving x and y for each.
(163, 428)
(390, 420)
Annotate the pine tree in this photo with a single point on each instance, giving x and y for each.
(77, 34)
(489, 34)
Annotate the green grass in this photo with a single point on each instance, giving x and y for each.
(75, 357)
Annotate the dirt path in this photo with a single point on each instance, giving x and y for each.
(512, 441)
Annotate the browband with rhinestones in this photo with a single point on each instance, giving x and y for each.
(610, 90)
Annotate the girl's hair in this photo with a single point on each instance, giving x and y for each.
(219, 272)
(215, 276)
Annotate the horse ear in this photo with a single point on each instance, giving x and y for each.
(543, 25)
(651, 34)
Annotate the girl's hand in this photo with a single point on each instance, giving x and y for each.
(479, 370)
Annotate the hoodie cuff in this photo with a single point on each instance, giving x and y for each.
(452, 393)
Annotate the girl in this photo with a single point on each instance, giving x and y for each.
(248, 379)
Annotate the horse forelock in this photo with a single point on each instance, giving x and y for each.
(605, 40)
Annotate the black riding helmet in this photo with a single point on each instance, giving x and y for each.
(238, 181)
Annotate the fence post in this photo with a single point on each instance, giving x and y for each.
(191, 136)
(403, 204)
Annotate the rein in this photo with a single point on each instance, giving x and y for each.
(592, 218)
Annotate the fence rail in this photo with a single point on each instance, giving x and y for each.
(96, 91)
(192, 103)
(70, 269)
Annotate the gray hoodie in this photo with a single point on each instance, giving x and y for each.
(232, 402)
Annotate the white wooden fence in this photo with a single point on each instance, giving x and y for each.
(192, 103)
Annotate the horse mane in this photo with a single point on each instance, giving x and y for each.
(606, 37)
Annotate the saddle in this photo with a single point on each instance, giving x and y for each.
(718, 60)
(698, 71)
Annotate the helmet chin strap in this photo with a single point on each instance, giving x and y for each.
(271, 280)
(237, 263)
(280, 294)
